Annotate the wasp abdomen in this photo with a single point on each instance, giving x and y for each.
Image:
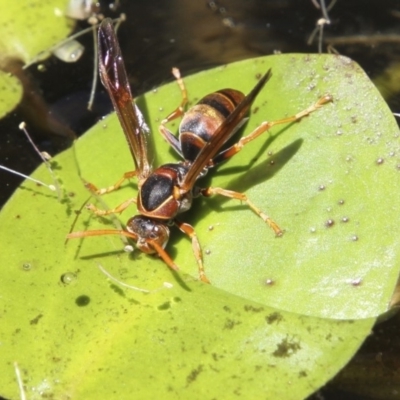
(224, 101)
(201, 122)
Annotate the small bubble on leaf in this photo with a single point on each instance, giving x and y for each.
(379, 161)
(345, 219)
(26, 266)
(68, 278)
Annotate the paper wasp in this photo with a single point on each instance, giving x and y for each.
(167, 191)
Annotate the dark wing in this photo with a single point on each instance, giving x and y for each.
(114, 78)
(223, 133)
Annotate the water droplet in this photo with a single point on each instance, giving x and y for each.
(269, 282)
(349, 158)
(211, 227)
(313, 230)
(68, 278)
(339, 132)
(321, 187)
(272, 162)
(345, 219)
(329, 209)
(128, 248)
(26, 266)
(354, 238)
(329, 223)
(341, 202)
(208, 252)
(379, 161)
(392, 154)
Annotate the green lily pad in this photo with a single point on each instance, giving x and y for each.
(31, 28)
(282, 315)
(327, 181)
(27, 30)
(10, 92)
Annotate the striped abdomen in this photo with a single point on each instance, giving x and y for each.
(202, 120)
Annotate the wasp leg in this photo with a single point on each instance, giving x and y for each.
(265, 126)
(242, 197)
(92, 188)
(115, 210)
(178, 112)
(188, 230)
(164, 255)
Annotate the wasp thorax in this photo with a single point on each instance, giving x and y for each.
(148, 231)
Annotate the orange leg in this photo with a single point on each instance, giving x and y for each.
(115, 210)
(158, 249)
(265, 126)
(178, 112)
(95, 190)
(188, 230)
(242, 197)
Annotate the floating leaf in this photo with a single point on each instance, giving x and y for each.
(282, 315)
(27, 30)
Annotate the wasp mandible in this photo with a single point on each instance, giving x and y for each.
(167, 191)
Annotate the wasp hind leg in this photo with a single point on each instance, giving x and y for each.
(266, 125)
